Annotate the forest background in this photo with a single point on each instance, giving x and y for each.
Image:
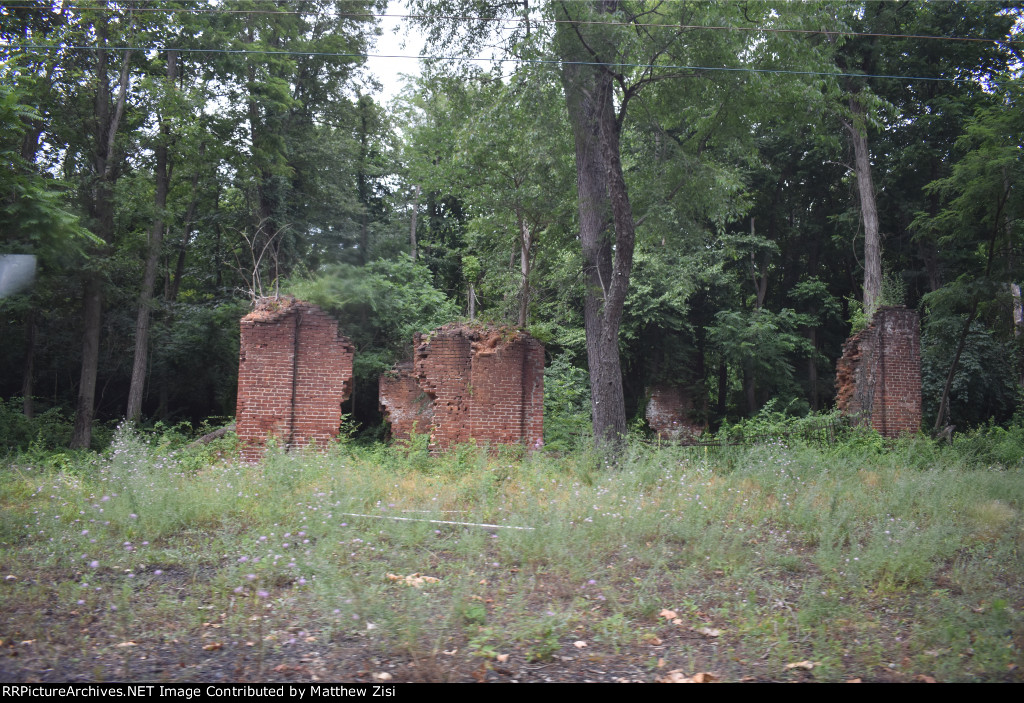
(761, 176)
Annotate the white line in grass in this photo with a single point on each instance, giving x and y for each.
(439, 522)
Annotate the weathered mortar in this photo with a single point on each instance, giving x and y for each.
(670, 413)
(878, 379)
(294, 372)
(469, 384)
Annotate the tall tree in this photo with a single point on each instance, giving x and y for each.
(156, 239)
(981, 215)
(286, 87)
(501, 147)
(588, 53)
(612, 55)
(105, 157)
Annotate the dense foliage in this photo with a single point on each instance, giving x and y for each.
(168, 161)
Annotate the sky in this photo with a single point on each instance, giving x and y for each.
(397, 40)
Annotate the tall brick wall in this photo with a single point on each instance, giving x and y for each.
(878, 379)
(670, 413)
(469, 384)
(294, 372)
(443, 368)
(508, 391)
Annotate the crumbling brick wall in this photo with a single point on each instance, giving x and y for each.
(294, 372)
(878, 379)
(469, 384)
(670, 412)
(405, 405)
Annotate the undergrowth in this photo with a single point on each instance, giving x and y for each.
(868, 558)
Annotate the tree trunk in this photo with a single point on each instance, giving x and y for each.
(812, 369)
(943, 414)
(412, 223)
(601, 191)
(27, 406)
(101, 211)
(858, 130)
(156, 241)
(92, 316)
(265, 238)
(748, 386)
(1018, 309)
(174, 281)
(525, 241)
(1018, 324)
(723, 390)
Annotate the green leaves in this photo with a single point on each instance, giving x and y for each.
(34, 218)
(764, 342)
(379, 306)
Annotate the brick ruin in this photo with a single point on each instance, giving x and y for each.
(406, 406)
(670, 412)
(294, 372)
(468, 384)
(878, 379)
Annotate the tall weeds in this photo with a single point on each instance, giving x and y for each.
(786, 551)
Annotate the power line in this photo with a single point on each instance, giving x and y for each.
(330, 54)
(470, 18)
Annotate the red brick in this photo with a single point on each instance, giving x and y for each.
(294, 373)
(469, 384)
(879, 376)
(670, 413)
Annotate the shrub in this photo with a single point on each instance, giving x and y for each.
(566, 404)
(47, 430)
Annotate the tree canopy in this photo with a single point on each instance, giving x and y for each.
(694, 193)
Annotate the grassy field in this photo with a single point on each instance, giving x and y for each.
(864, 560)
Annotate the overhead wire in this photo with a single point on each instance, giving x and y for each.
(471, 18)
(331, 54)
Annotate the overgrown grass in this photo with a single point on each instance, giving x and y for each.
(869, 559)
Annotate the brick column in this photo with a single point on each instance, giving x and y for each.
(294, 372)
(878, 379)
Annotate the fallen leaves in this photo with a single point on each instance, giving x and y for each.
(416, 580)
(673, 617)
(805, 665)
(213, 646)
(677, 676)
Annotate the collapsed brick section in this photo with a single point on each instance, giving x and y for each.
(878, 379)
(405, 405)
(469, 384)
(294, 373)
(670, 414)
